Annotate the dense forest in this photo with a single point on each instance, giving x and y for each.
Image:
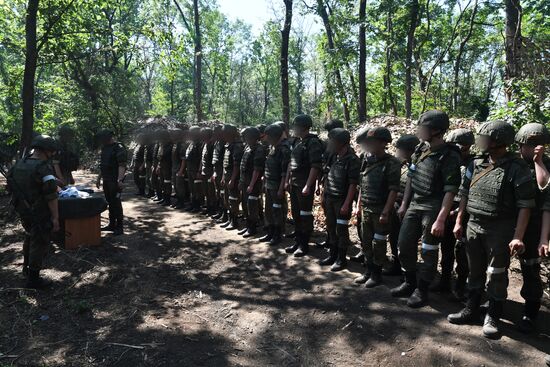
(102, 63)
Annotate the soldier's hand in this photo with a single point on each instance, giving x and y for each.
(383, 218)
(438, 228)
(517, 247)
(249, 190)
(544, 249)
(345, 211)
(213, 179)
(287, 186)
(458, 231)
(230, 184)
(55, 225)
(306, 190)
(120, 186)
(539, 153)
(401, 212)
(157, 170)
(280, 194)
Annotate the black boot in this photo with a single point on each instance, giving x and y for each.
(268, 235)
(276, 237)
(218, 215)
(459, 290)
(224, 218)
(323, 244)
(443, 285)
(375, 278)
(470, 313)
(358, 258)
(34, 281)
(303, 245)
(233, 223)
(294, 247)
(119, 229)
(341, 261)
(393, 268)
(150, 193)
(419, 298)
(251, 231)
(331, 258)
(362, 279)
(110, 227)
(290, 235)
(245, 229)
(407, 287)
(492, 319)
(528, 322)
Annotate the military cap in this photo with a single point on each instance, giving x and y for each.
(274, 130)
(461, 136)
(340, 135)
(498, 131)
(532, 134)
(434, 119)
(45, 142)
(333, 124)
(303, 121)
(380, 133)
(407, 142)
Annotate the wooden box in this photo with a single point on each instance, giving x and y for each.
(83, 232)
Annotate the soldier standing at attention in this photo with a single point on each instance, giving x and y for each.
(217, 165)
(112, 171)
(155, 178)
(231, 168)
(404, 149)
(183, 194)
(138, 164)
(191, 165)
(452, 249)
(207, 170)
(176, 137)
(304, 169)
(164, 167)
(434, 180)
(276, 166)
(250, 181)
(33, 186)
(498, 193)
(379, 186)
(338, 195)
(66, 160)
(149, 158)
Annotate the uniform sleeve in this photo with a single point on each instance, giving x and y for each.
(188, 153)
(259, 158)
(285, 160)
(524, 187)
(56, 158)
(393, 175)
(450, 172)
(467, 180)
(121, 156)
(48, 186)
(354, 169)
(315, 154)
(238, 153)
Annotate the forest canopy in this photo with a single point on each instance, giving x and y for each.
(108, 63)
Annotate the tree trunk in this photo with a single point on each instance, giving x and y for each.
(513, 45)
(31, 57)
(197, 87)
(362, 110)
(388, 73)
(413, 18)
(285, 37)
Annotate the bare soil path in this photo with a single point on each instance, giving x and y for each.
(176, 290)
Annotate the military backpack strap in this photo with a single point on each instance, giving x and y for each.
(488, 169)
(376, 164)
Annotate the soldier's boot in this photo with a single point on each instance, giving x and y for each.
(393, 268)
(443, 285)
(276, 236)
(218, 215)
(323, 244)
(303, 245)
(268, 234)
(332, 255)
(407, 287)
(110, 227)
(375, 278)
(363, 278)
(251, 230)
(150, 193)
(290, 235)
(470, 313)
(245, 229)
(223, 218)
(358, 258)
(419, 298)
(547, 360)
(119, 228)
(492, 319)
(341, 261)
(233, 223)
(295, 245)
(158, 197)
(35, 281)
(459, 290)
(527, 324)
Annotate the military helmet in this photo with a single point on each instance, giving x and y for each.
(65, 130)
(340, 135)
(230, 129)
(207, 131)
(274, 131)
(282, 124)
(251, 133)
(407, 142)
(461, 136)
(361, 134)
(105, 134)
(533, 134)
(434, 119)
(499, 131)
(261, 128)
(380, 133)
(45, 142)
(333, 124)
(304, 121)
(164, 135)
(195, 129)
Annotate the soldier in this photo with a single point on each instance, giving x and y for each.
(338, 195)
(164, 168)
(155, 178)
(528, 138)
(231, 168)
(33, 186)
(276, 166)
(66, 160)
(250, 179)
(434, 180)
(181, 182)
(304, 168)
(112, 171)
(404, 149)
(207, 170)
(452, 249)
(380, 175)
(217, 165)
(138, 164)
(191, 165)
(498, 194)
(149, 158)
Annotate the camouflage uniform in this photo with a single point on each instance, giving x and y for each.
(113, 156)
(207, 170)
(232, 158)
(138, 162)
(193, 159)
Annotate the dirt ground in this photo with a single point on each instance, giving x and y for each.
(176, 290)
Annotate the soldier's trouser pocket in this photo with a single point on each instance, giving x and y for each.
(374, 237)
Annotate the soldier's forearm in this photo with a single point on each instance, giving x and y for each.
(313, 172)
(351, 194)
(545, 229)
(521, 224)
(54, 210)
(121, 173)
(407, 194)
(542, 174)
(446, 206)
(390, 202)
(461, 209)
(255, 176)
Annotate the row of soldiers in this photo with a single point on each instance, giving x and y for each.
(479, 209)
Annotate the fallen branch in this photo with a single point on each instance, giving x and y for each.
(127, 345)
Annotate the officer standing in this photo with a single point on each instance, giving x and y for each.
(191, 165)
(434, 180)
(155, 173)
(164, 168)
(231, 168)
(207, 170)
(149, 158)
(217, 165)
(338, 195)
(66, 160)
(138, 164)
(112, 171)
(181, 182)
(498, 194)
(380, 175)
(34, 190)
(304, 169)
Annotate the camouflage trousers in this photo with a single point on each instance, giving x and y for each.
(209, 190)
(374, 236)
(302, 211)
(232, 199)
(36, 243)
(251, 205)
(337, 224)
(274, 209)
(139, 177)
(532, 287)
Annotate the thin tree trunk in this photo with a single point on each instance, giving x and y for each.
(413, 18)
(513, 44)
(198, 62)
(389, 50)
(362, 105)
(31, 58)
(285, 37)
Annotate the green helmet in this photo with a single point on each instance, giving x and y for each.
(65, 130)
(45, 142)
(362, 134)
(207, 132)
(261, 128)
(282, 124)
(498, 131)
(461, 136)
(340, 135)
(230, 129)
(533, 134)
(195, 129)
(251, 133)
(304, 121)
(105, 134)
(434, 119)
(333, 124)
(380, 133)
(274, 131)
(407, 142)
